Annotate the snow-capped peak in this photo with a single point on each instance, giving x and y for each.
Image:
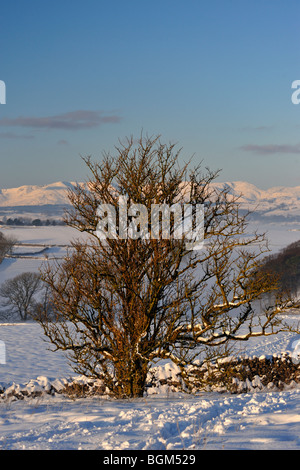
(29, 195)
(280, 200)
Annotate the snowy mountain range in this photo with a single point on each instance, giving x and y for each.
(34, 195)
(277, 202)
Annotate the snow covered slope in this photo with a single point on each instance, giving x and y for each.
(277, 201)
(274, 202)
(55, 193)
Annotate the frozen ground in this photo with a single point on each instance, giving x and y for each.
(257, 420)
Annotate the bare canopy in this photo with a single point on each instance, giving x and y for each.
(123, 304)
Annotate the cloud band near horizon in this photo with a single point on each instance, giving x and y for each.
(271, 149)
(73, 120)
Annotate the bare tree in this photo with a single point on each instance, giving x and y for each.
(128, 302)
(18, 294)
(6, 245)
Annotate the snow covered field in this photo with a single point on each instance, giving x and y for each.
(165, 421)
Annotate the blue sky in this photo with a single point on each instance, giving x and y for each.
(213, 75)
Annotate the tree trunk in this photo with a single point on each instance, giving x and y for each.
(131, 378)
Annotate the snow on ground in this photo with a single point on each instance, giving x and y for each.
(53, 236)
(211, 421)
(166, 421)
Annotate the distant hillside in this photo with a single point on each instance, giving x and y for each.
(34, 195)
(277, 202)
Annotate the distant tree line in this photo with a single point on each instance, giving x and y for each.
(35, 222)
